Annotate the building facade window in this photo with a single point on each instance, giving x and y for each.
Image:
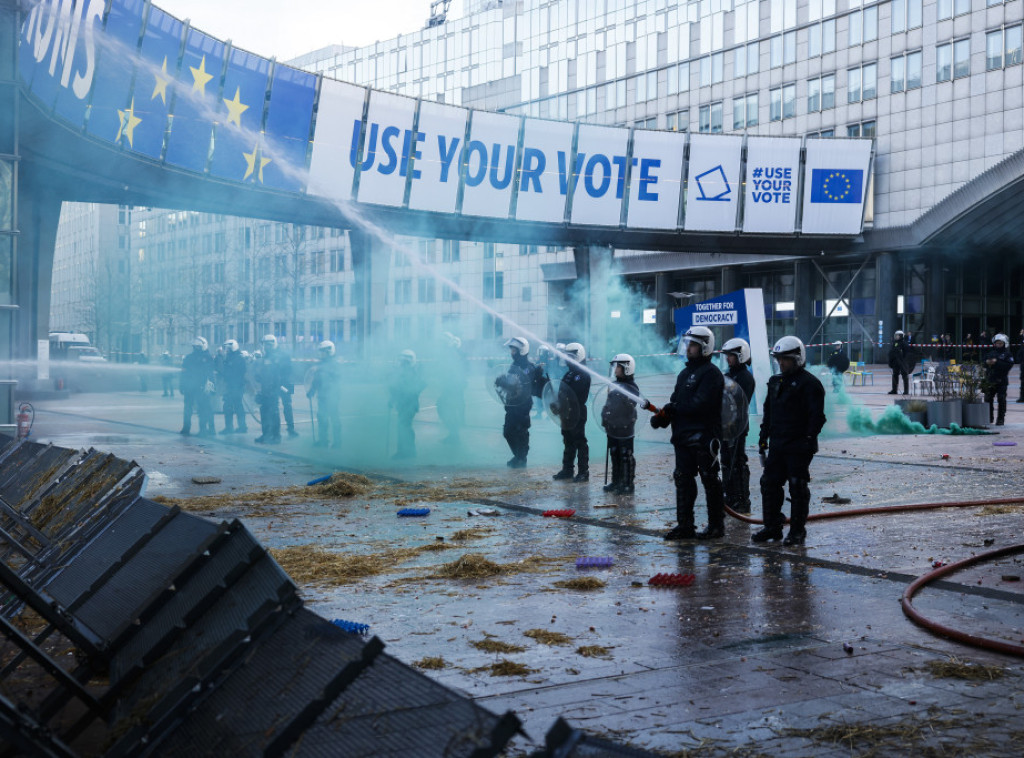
(744, 111)
(821, 93)
(746, 60)
(949, 8)
(677, 79)
(952, 60)
(782, 102)
(823, 134)
(906, 14)
(1003, 47)
(678, 122)
(710, 118)
(863, 129)
(862, 83)
(905, 72)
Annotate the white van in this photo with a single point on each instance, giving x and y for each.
(71, 346)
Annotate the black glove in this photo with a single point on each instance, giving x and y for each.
(661, 419)
(762, 447)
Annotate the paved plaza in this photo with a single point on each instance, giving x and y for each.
(770, 650)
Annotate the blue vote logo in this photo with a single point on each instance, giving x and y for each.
(710, 184)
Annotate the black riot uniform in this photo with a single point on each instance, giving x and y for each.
(997, 380)
(404, 393)
(618, 417)
(574, 389)
(196, 376)
(451, 402)
(794, 414)
(735, 469)
(232, 372)
(695, 412)
(326, 388)
(268, 374)
(838, 364)
(898, 354)
(287, 388)
(518, 386)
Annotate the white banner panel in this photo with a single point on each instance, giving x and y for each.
(438, 145)
(773, 173)
(713, 183)
(600, 180)
(386, 149)
(490, 159)
(656, 179)
(835, 183)
(544, 179)
(338, 121)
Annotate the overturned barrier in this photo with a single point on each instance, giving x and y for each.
(136, 629)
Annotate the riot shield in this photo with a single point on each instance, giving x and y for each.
(508, 386)
(561, 404)
(735, 408)
(617, 413)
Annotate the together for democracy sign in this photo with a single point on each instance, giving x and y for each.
(128, 73)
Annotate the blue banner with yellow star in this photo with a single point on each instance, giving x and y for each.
(239, 114)
(286, 138)
(196, 102)
(154, 85)
(112, 83)
(836, 185)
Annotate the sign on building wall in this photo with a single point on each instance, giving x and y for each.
(149, 84)
(713, 183)
(656, 179)
(772, 179)
(835, 183)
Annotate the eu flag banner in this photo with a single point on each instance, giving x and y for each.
(144, 125)
(239, 116)
(112, 83)
(836, 185)
(289, 115)
(196, 102)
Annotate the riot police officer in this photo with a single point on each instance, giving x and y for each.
(695, 414)
(268, 374)
(618, 417)
(898, 362)
(735, 471)
(405, 392)
(794, 414)
(232, 373)
(326, 388)
(451, 402)
(838, 364)
(573, 391)
(517, 388)
(286, 389)
(998, 363)
(196, 387)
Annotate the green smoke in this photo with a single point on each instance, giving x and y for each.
(893, 421)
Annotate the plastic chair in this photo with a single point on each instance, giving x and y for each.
(923, 381)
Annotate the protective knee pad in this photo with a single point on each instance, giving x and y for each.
(799, 491)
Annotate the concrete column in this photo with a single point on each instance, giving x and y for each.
(803, 297)
(664, 306)
(934, 301)
(730, 279)
(371, 261)
(38, 212)
(593, 274)
(887, 287)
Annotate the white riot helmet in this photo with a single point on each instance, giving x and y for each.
(453, 341)
(1001, 338)
(407, 356)
(576, 351)
(738, 346)
(270, 341)
(899, 334)
(200, 342)
(521, 346)
(231, 346)
(837, 345)
(790, 347)
(326, 347)
(626, 361)
(702, 336)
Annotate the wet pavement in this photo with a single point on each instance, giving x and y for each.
(766, 652)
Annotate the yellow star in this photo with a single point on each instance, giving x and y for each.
(200, 77)
(250, 162)
(235, 109)
(160, 88)
(128, 123)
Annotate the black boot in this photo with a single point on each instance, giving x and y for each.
(716, 506)
(800, 497)
(628, 473)
(613, 486)
(767, 533)
(565, 473)
(583, 476)
(686, 495)
(795, 537)
(711, 533)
